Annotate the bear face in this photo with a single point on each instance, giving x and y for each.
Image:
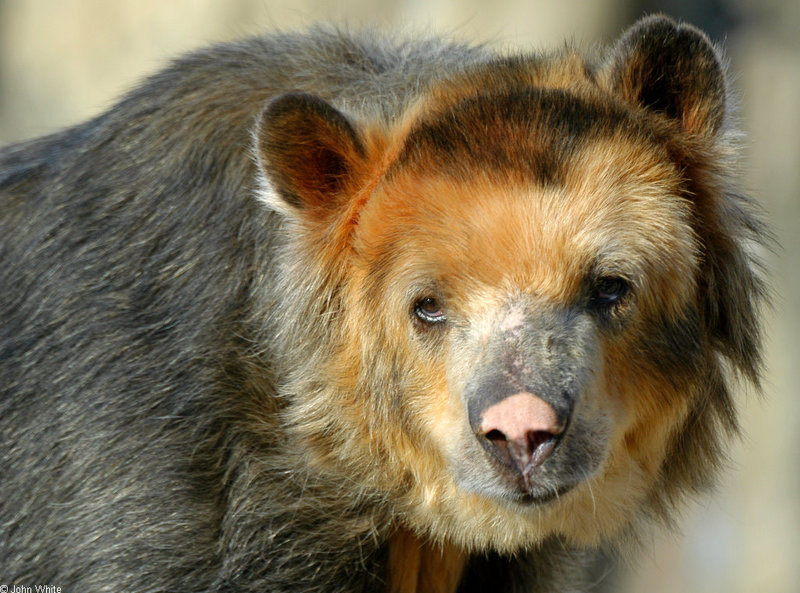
(521, 296)
(498, 284)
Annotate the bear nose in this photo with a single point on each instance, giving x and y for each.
(520, 430)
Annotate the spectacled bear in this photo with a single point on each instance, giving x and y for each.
(326, 312)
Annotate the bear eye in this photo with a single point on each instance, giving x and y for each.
(608, 292)
(429, 310)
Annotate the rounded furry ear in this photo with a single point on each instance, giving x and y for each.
(307, 151)
(671, 68)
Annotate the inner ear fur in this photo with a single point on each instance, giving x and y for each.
(671, 68)
(308, 151)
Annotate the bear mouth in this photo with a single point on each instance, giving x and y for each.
(535, 499)
(536, 488)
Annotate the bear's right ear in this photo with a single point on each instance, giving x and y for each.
(308, 152)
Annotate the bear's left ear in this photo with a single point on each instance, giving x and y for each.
(309, 152)
(673, 69)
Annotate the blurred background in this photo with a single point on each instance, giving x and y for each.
(62, 61)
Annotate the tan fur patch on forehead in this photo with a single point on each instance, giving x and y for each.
(638, 220)
(617, 211)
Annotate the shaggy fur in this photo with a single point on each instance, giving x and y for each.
(252, 315)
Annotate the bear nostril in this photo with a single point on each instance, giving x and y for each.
(498, 444)
(536, 438)
(540, 444)
(496, 436)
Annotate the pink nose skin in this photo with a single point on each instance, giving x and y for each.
(521, 429)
